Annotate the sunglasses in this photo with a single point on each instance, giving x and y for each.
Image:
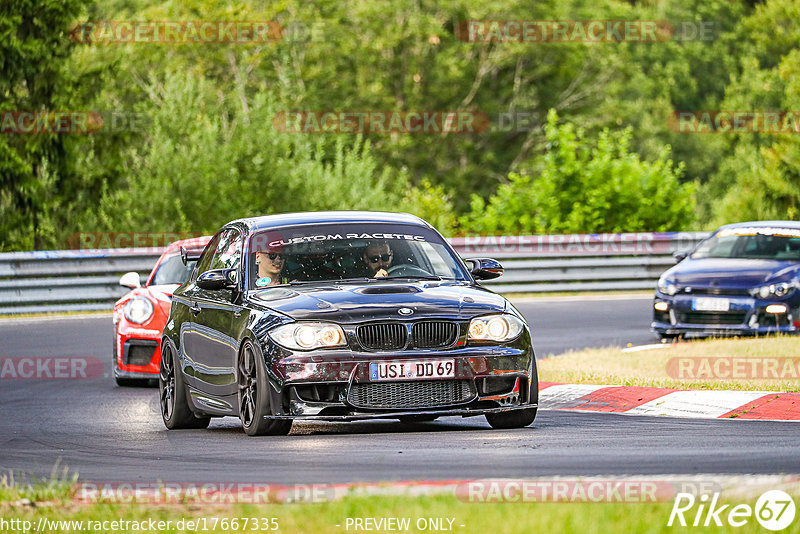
(382, 257)
(274, 256)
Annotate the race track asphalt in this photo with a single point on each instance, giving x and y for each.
(107, 433)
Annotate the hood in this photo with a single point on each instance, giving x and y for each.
(351, 303)
(739, 273)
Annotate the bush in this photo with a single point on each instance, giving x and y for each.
(587, 188)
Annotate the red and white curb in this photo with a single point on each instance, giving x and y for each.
(630, 400)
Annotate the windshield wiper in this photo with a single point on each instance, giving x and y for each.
(332, 281)
(409, 277)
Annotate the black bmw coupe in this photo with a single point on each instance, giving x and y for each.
(342, 316)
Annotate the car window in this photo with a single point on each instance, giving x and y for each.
(171, 270)
(204, 263)
(328, 252)
(781, 244)
(228, 253)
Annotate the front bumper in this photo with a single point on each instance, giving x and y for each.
(137, 352)
(743, 316)
(361, 416)
(331, 387)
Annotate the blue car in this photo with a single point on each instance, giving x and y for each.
(742, 280)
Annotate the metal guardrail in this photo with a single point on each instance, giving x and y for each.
(81, 280)
(578, 262)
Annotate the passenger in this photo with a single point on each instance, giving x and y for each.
(377, 259)
(270, 264)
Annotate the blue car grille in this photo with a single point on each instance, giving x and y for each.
(720, 291)
(717, 318)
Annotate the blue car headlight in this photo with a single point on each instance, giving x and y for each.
(780, 289)
(667, 287)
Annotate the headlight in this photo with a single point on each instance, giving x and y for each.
(308, 336)
(495, 328)
(138, 310)
(772, 290)
(666, 287)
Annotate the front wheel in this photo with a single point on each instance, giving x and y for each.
(515, 419)
(254, 403)
(172, 391)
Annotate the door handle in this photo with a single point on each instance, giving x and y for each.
(194, 308)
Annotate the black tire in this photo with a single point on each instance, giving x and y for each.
(175, 409)
(254, 398)
(519, 418)
(515, 419)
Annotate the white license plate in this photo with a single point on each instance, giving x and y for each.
(412, 370)
(711, 304)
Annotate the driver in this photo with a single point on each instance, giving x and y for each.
(270, 264)
(377, 258)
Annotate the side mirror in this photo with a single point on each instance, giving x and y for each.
(131, 280)
(190, 254)
(680, 255)
(217, 279)
(484, 268)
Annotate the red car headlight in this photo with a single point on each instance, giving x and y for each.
(138, 310)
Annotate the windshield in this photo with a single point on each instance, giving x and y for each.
(781, 244)
(318, 253)
(172, 271)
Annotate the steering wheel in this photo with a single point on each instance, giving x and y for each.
(406, 269)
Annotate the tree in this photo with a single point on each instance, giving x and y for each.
(205, 162)
(36, 175)
(586, 188)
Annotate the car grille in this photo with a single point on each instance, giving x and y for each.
(384, 336)
(697, 317)
(434, 334)
(418, 394)
(720, 291)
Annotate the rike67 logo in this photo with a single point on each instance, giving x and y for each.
(774, 510)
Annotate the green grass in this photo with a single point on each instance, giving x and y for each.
(478, 518)
(649, 368)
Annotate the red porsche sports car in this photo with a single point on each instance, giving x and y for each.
(140, 315)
